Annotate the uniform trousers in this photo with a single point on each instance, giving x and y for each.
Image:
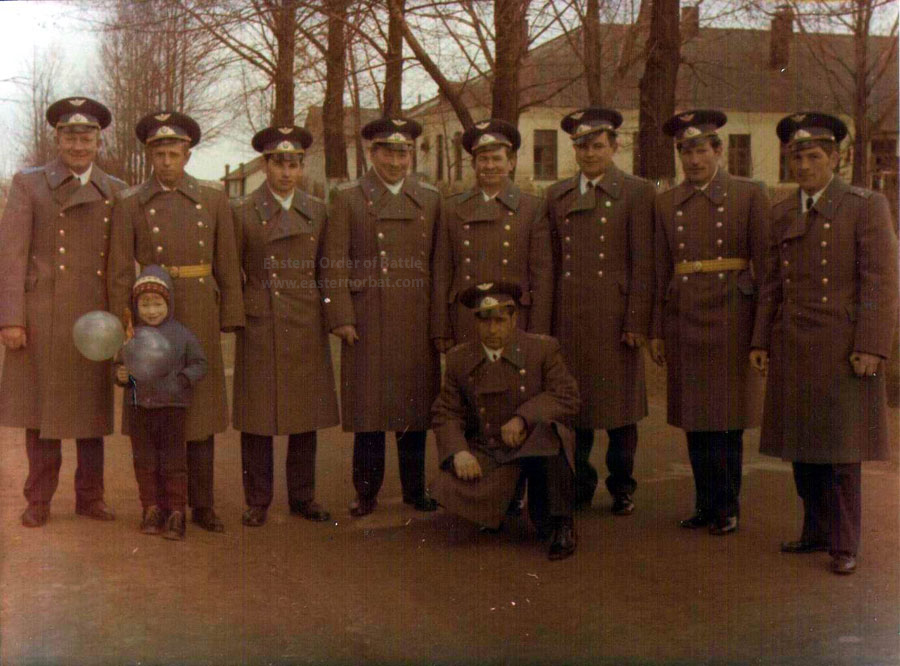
(551, 489)
(258, 468)
(200, 456)
(368, 463)
(160, 460)
(45, 460)
(831, 495)
(619, 462)
(716, 460)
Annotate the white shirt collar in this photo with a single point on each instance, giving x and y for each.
(85, 177)
(164, 188)
(284, 201)
(488, 197)
(706, 184)
(492, 354)
(393, 189)
(592, 181)
(815, 197)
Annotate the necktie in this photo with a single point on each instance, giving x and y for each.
(809, 204)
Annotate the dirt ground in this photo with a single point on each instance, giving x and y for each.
(403, 587)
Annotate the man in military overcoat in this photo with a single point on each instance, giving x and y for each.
(492, 231)
(710, 239)
(505, 410)
(824, 326)
(377, 293)
(184, 225)
(54, 237)
(283, 377)
(601, 224)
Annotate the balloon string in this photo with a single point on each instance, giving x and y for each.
(133, 384)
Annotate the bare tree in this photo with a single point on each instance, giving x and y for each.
(657, 91)
(333, 107)
(44, 69)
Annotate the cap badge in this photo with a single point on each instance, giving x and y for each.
(484, 139)
(397, 136)
(165, 130)
(285, 130)
(483, 124)
(691, 132)
(162, 117)
(802, 134)
(577, 115)
(484, 286)
(799, 118)
(399, 123)
(489, 302)
(686, 117)
(583, 128)
(76, 102)
(78, 118)
(285, 145)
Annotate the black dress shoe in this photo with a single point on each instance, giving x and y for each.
(421, 503)
(152, 520)
(362, 506)
(564, 541)
(174, 527)
(484, 529)
(96, 510)
(311, 510)
(206, 518)
(724, 526)
(623, 505)
(36, 515)
(255, 516)
(801, 547)
(514, 510)
(843, 564)
(694, 522)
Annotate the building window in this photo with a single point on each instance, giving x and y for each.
(457, 156)
(784, 167)
(884, 155)
(635, 153)
(439, 158)
(234, 188)
(739, 161)
(545, 155)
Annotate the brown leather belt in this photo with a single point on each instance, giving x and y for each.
(711, 266)
(193, 271)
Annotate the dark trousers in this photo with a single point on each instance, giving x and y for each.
(716, 460)
(551, 489)
(368, 463)
(832, 509)
(200, 454)
(258, 468)
(160, 460)
(619, 462)
(45, 460)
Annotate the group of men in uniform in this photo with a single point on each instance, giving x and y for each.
(707, 276)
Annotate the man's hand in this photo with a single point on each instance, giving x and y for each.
(12, 337)
(347, 333)
(759, 361)
(443, 345)
(513, 432)
(466, 466)
(122, 374)
(658, 351)
(633, 340)
(864, 365)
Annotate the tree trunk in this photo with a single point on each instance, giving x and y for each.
(861, 130)
(393, 78)
(657, 91)
(591, 47)
(510, 43)
(285, 38)
(333, 107)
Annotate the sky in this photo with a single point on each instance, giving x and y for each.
(35, 27)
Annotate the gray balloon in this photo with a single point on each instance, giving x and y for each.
(98, 335)
(148, 355)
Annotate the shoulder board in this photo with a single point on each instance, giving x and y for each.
(117, 181)
(542, 336)
(34, 169)
(310, 197)
(427, 186)
(458, 348)
(861, 192)
(742, 179)
(129, 191)
(349, 185)
(212, 184)
(561, 187)
(241, 201)
(782, 199)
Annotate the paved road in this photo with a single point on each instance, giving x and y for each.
(403, 587)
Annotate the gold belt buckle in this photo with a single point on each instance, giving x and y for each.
(698, 266)
(173, 271)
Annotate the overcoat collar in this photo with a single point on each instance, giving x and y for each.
(187, 185)
(286, 223)
(826, 206)
(715, 191)
(375, 191)
(71, 193)
(472, 206)
(512, 352)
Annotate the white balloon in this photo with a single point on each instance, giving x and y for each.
(98, 335)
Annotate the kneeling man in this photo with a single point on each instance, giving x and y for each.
(505, 409)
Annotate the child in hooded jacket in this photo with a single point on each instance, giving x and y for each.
(154, 410)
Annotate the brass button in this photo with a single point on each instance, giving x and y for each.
(465, 227)
(99, 273)
(721, 276)
(600, 273)
(602, 239)
(718, 225)
(62, 267)
(824, 299)
(507, 227)
(608, 204)
(602, 256)
(824, 243)
(198, 206)
(156, 230)
(684, 278)
(678, 213)
(264, 223)
(721, 209)
(159, 248)
(718, 241)
(62, 232)
(467, 260)
(825, 280)
(380, 236)
(568, 256)
(522, 371)
(568, 239)
(466, 243)
(106, 219)
(504, 261)
(602, 220)
(62, 250)
(567, 274)
(786, 262)
(201, 243)
(680, 228)
(681, 246)
(827, 225)
(200, 223)
(277, 293)
(384, 270)
(383, 253)
(824, 261)
(505, 243)
(200, 280)
(274, 275)
(468, 277)
(152, 211)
